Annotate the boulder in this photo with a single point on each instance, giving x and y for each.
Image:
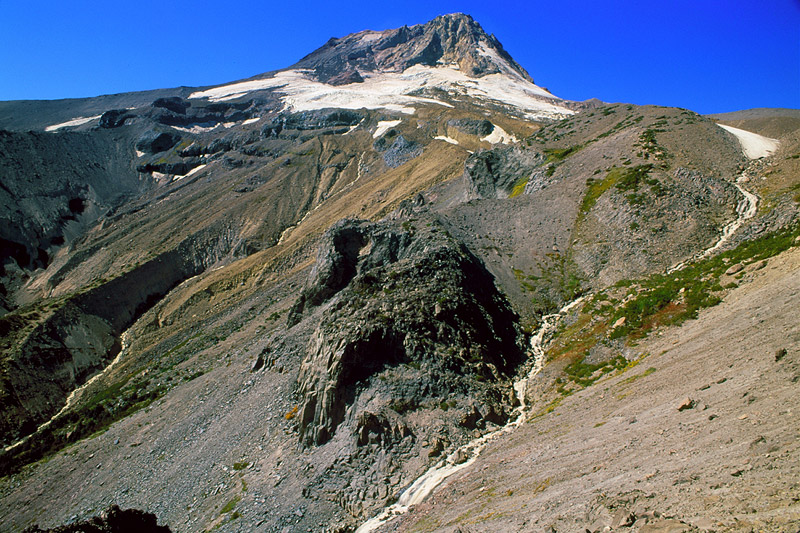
(154, 142)
(686, 403)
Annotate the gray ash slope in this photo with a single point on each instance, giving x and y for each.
(319, 304)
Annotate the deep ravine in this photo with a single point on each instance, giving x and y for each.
(75, 394)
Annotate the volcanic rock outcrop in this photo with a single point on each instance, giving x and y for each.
(406, 296)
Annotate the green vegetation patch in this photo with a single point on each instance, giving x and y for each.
(630, 179)
(228, 507)
(624, 179)
(594, 190)
(519, 187)
(556, 155)
(671, 299)
(629, 310)
(585, 374)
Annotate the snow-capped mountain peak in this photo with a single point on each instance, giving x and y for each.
(441, 62)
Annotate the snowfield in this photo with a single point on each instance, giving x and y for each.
(72, 123)
(754, 146)
(499, 135)
(384, 126)
(198, 128)
(400, 92)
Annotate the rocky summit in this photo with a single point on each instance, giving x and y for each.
(397, 286)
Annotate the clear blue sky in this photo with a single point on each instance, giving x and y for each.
(705, 55)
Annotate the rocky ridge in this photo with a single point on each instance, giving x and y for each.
(414, 299)
(448, 39)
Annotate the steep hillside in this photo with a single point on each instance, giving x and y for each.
(775, 123)
(284, 299)
(699, 435)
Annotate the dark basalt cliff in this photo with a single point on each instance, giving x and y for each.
(112, 520)
(405, 296)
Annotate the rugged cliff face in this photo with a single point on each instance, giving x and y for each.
(55, 186)
(406, 348)
(451, 39)
(407, 302)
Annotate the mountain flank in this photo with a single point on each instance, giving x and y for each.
(289, 302)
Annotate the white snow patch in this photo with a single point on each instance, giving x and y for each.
(384, 126)
(754, 146)
(197, 128)
(499, 135)
(139, 153)
(158, 175)
(195, 170)
(399, 91)
(445, 138)
(71, 123)
(251, 121)
(227, 125)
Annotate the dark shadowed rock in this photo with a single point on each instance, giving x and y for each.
(336, 265)
(113, 520)
(154, 142)
(115, 118)
(402, 296)
(345, 78)
(472, 126)
(174, 104)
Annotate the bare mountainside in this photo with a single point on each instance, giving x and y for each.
(277, 303)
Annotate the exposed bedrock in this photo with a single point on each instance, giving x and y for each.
(493, 173)
(405, 296)
(454, 38)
